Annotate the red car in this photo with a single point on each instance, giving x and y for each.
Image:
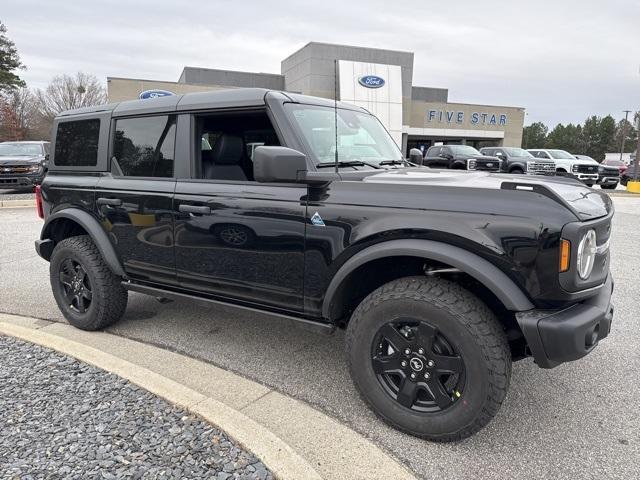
(616, 163)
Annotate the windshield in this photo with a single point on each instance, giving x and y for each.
(20, 149)
(614, 163)
(361, 137)
(517, 152)
(463, 150)
(561, 155)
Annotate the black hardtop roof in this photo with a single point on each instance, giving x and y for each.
(231, 98)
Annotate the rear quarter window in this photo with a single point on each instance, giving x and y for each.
(77, 143)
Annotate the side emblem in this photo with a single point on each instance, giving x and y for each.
(316, 219)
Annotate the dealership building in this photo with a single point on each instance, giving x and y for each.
(379, 80)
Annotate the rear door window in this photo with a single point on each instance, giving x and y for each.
(77, 143)
(144, 146)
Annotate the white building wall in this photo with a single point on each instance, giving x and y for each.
(384, 102)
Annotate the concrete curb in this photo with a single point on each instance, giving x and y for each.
(293, 439)
(30, 202)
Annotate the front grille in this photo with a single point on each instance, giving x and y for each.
(541, 167)
(610, 172)
(15, 170)
(492, 165)
(587, 169)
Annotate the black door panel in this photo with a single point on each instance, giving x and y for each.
(138, 216)
(242, 241)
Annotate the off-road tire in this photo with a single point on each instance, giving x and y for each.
(467, 323)
(109, 298)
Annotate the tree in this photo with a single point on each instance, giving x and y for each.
(599, 136)
(66, 92)
(534, 135)
(9, 62)
(19, 119)
(567, 138)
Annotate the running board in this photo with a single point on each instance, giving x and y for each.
(324, 328)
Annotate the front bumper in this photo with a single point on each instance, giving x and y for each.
(558, 336)
(587, 177)
(20, 180)
(608, 180)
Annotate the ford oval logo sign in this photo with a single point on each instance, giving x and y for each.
(154, 94)
(371, 81)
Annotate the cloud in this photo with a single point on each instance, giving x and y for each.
(561, 61)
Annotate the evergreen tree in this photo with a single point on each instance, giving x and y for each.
(9, 62)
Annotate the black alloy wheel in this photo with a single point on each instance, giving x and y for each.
(89, 294)
(76, 285)
(429, 357)
(417, 365)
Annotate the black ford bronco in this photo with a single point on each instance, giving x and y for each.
(277, 202)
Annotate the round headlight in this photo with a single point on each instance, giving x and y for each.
(586, 254)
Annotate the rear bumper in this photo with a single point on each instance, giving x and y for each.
(44, 248)
(558, 336)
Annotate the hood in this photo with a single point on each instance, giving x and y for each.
(9, 160)
(584, 202)
(488, 158)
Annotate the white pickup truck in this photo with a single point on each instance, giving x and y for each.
(585, 170)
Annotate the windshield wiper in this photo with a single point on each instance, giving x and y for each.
(393, 162)
(347, 163)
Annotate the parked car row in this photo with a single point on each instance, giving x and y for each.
(539, 161)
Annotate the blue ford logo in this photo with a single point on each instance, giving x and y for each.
(154, 94)
(371, 81)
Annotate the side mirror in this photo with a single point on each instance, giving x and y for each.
(285, 165)
(415, 156)
(278, 164)
(500, 155)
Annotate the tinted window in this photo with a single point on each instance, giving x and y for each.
(77, 143)
(464, 150)
(144, 147)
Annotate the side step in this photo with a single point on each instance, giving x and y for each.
(319, 327)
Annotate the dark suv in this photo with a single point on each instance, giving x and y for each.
(460, 157)
(438, 283)
(23, 164)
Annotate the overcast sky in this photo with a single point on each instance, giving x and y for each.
(560, 59)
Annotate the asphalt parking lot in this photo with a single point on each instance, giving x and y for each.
(577, 421)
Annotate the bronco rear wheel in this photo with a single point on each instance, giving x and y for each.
(88, 293)
(429, 357)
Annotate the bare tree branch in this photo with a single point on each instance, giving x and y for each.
(67, 92)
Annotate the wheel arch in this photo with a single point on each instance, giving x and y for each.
(413, 253)
(71, 222)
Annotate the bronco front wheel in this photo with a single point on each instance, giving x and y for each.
(429, 357)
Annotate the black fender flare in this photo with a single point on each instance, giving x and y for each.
(477, 267)
(92, 227)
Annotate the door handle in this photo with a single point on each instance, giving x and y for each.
(114, 202)
(200, 209)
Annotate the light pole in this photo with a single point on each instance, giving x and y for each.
(624, 131)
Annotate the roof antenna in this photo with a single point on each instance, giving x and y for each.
(335, 106)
